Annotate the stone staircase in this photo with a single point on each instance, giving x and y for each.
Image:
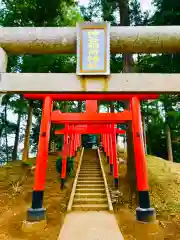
(90, 193)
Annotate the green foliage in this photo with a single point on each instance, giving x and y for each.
(27, 164)
(69, 168)
(167, 12)
(34, 13)
(46, 13)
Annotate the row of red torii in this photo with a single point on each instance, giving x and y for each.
(90, 122)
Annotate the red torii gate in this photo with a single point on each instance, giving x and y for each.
(91, 110)
(143, 212)
(88, 129)
(109, 143)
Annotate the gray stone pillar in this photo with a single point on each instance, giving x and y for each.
(3, 66)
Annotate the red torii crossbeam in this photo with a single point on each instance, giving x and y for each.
(88, 130)
(92, 96)
(85, 118)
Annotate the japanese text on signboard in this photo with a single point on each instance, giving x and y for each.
(93, 46)
(93, 49)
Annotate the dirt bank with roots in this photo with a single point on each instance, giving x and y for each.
(15, 198)
(164, 180)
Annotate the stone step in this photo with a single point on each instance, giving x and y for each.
(90, 159)
(86, 175)
(90, 195)
(90, 190)
(90, 181)
(91, 164)
(90, 207)
(89, 178)
(90, 169)
(89, 186)
(92, 173)
(89, 172)
(93, 168)
(90, 200)
(87, 169)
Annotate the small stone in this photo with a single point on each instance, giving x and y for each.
(33, 226)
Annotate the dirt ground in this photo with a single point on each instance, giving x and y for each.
(164, 178)
(14, 202)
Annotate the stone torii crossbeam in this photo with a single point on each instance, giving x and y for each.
(29, 40)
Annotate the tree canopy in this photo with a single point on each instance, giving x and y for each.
(161, 117)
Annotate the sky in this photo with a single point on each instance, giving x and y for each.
(145, 4)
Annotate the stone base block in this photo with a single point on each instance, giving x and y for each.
(35, 215)
(116, 183)
(148, 231)
(33, 226)
(62, 183)
(145, 214)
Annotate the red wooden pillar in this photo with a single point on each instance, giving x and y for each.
(71, 146)
(74, 144)
(76, 138)
(143, 212)
(103, 142)
(80, 140)
(115, 163)
(108, 147)
(64, 156)
(111, 151)
(37, 212)
(91, 106)
(77, 141)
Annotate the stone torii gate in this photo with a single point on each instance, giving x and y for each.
(92, 81)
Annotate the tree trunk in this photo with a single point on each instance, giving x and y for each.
(79, 106)
(149, 151)
(66, 106)
(6, 134)
(1, 98)
(25, 155)
(168, 133)
(16, 141)
(15, 149)
(169, 143)
(111, 106)
(144, 134)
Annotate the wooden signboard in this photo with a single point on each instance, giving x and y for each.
(93, 48)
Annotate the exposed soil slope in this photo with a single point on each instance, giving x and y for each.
(164, 179)
(15, 200)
